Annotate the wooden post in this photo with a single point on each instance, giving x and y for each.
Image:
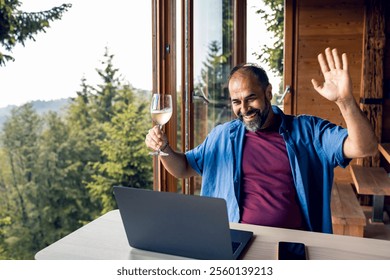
(371, 93)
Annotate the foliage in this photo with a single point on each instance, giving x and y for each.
(62, 189)
(57, 172)
(18, 26)
(124, 151)
(43, 200)
(20, 140)
(115, 119)
(274, 20)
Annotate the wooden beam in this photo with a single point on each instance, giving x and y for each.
(371, 93)
(289, 57)
(239, 32)
(164, 78)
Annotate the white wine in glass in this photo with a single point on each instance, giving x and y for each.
(161, 111)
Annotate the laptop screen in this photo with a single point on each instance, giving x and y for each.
(172, 223)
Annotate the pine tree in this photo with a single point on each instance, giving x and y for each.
(64, 203)
(127, 162)
(57, 174)
(111, 121)
(20, 140)
(18, 26)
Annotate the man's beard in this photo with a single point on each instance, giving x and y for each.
(258, 121)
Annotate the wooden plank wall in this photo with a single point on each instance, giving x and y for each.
(332, 23)
(320, 24)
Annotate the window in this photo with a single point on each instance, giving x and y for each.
(194, 51)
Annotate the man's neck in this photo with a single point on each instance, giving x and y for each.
(272, 122)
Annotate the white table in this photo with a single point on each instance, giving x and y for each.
(105, 239)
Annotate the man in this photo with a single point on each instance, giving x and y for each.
(274, 169)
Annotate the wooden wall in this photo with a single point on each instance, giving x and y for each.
(333, 23)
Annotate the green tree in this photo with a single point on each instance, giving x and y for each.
(20, 149)
(57, 173)
(17, 26)
(64, 205)
(4, 223)
(84, 131)
(274, 20)
(43, 198)
(111, 119)
(127, 162)
(88, 113)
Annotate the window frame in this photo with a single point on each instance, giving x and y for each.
(165, 74)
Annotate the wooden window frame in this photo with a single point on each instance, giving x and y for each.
(290, 55)
(164, 74)
(164, 77)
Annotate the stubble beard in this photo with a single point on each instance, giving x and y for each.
(258, 121)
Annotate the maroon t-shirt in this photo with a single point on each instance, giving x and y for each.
(268, 194)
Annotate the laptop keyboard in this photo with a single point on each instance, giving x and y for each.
(235, 246)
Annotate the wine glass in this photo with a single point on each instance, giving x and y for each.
(161, 111)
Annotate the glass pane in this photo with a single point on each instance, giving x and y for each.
(259, 38)
(213, 44)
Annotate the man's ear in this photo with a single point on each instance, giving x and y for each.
(268, 92)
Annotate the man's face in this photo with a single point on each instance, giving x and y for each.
(250, 103)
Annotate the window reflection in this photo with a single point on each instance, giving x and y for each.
(213, 45)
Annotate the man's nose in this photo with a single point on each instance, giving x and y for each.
(244, 108)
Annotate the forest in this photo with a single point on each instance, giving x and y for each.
(57, 171)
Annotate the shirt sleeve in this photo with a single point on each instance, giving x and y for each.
(209, 151)
(195, 158)
(331, 139)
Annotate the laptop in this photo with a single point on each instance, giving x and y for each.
(177, 224)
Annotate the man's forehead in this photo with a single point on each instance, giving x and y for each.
(244, 76)
(243, 95)
(242, 73)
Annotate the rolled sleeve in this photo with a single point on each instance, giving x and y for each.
(331, 139)
(191, 159)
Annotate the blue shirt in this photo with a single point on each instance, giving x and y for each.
(314, 148)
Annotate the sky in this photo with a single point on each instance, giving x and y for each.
(52, 66)
(72, 48)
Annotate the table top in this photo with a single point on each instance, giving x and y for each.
(384, 148)
(105, 239)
